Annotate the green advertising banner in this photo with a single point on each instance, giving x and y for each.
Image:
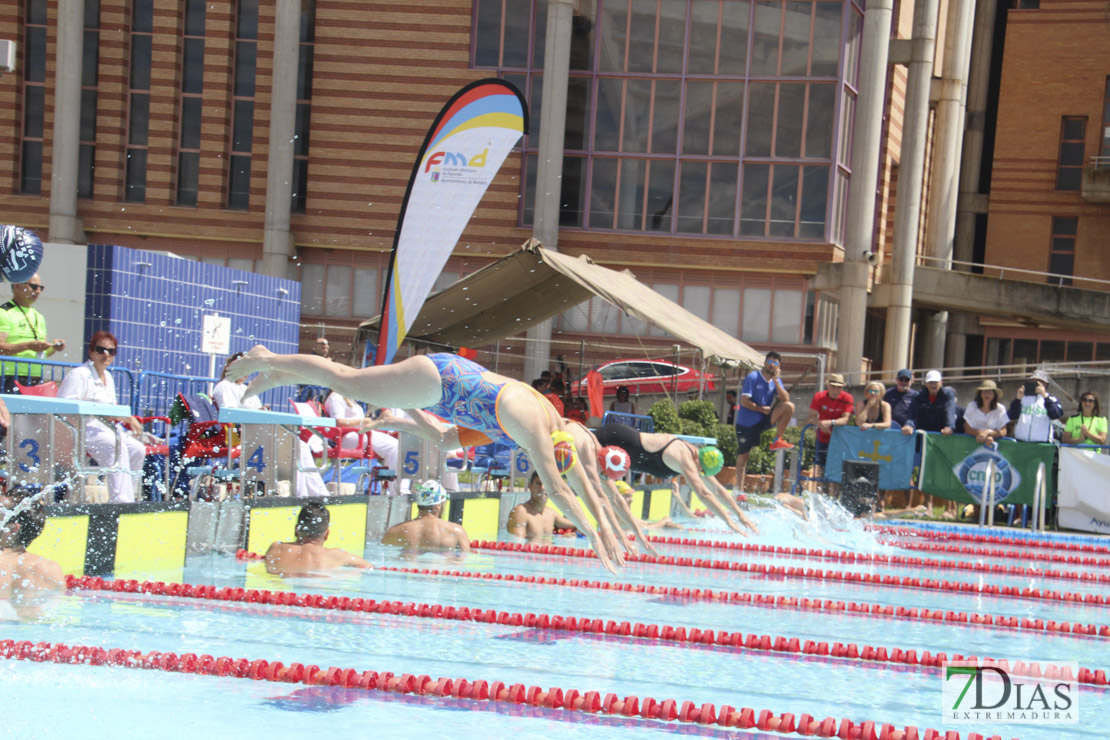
(955, 468)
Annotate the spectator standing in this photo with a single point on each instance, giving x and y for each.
(986, 419)
(321, 348)
(311, 393)
(23, 334)
(1089, 426)
(933, 409)
(829, 408)
(757, 411)
(1034, 409)
(900, 397)
(730, 404)
(623, 405)
(875, 413)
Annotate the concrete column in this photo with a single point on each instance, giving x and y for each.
(277, 239)
(940, 225)
(970, 202)
(907, 211)
(65, 227)
(549, 171)
(859, 225)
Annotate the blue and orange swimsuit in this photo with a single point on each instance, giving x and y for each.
(469, 401)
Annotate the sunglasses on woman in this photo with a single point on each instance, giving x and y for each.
(110, 351)
(1087, 400)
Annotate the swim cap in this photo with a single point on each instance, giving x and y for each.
(623, 488)
(430, 493)
(565, 454)
(711, 460)
(613, 461)
(20, 253)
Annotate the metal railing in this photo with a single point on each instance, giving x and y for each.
(1036, 275)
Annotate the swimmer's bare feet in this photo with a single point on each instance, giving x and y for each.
(252, 362)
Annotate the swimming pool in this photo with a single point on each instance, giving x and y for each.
(780, 600)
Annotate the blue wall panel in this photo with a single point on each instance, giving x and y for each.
(155, 305)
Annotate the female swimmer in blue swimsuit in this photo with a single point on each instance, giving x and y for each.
(480, 403)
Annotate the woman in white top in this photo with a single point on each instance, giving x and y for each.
(344, 410)
(986, 419)
(875, 413)
(622, 405)
(229, 394)
(93, 382)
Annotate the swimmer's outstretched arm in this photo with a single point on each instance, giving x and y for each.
(636, 524)
(421, 424)
(726, 495)
(680, 458)
(676, 495)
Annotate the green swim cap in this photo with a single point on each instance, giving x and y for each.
(711, 460)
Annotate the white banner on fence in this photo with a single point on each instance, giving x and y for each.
(1083, 501)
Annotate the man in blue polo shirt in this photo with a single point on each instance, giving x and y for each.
(755, 413)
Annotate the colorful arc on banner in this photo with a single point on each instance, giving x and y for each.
(465, 147)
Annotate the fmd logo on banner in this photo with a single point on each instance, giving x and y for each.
(972, 472)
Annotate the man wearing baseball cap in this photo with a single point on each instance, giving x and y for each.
(829, 408)
(428, 532)
(1034, 409)
(933, 409)
(900, 397)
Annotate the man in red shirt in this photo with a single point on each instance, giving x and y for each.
(829, 408)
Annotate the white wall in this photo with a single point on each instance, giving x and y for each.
(63, 302)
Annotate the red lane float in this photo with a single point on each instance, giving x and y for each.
(987, 552)
(666, 633)
(829, 575)
(589, 702)
(770, 600)
(927, 534)
(867, 557)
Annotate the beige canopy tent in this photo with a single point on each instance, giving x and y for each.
(535, 284)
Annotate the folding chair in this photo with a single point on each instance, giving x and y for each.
(205, 439)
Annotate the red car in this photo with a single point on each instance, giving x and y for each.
(645, 377)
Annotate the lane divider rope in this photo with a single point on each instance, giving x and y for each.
(810, 573)
(988, 552)
(870, 557)
(770, 600)
(928, 534)
(666, 633)
(588, 702)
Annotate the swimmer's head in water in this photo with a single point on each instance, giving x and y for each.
(711, 460)
(31, 520)
(313, 522)
(565, 455)
(429, 494)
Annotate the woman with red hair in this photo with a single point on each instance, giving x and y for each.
(93, 382)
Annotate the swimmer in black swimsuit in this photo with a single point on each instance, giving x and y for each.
(658, 455)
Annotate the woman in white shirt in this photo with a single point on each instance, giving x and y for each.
(229, 394)
(344, 410)
(93, 382)
(986, 419)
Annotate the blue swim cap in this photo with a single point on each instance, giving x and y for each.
(20, 253)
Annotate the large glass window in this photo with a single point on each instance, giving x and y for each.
(1069, 167)
(138, 114)
(1061, 260)
(1106, 125)
(192, 86)
(674, 104)
(90, 51)
(304, 106)
(34, 77)
(242, 115)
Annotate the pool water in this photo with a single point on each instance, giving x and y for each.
(99, 701)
